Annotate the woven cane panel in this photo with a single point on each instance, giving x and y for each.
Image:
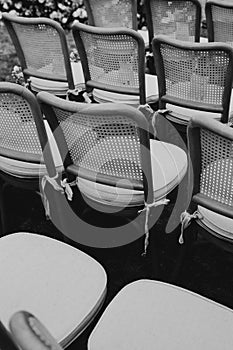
(175, 19)
(104, 144)
(17, 127)
(195, 75)
(112, 13)
(223, 24)
(112, 59)
(42, 48)
(216, 179)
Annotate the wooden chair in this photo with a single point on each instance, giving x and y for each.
(114, 13)
(210, 212)
(21, 161)
(193, 79)
(119, 171)
(177, 19)
(61, 284)
(113, 61)
(41, 47)
(219, 21)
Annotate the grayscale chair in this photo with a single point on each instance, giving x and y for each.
(113, 61)
(42, 49)
(119, 171)
(177, 19)
(145, 314)
(219, 21)
(210, 212)
(193, 79)
(114, 13)
(61, 284)
(21, 161)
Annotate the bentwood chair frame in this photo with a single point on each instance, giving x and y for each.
(219, 21)
(22, 142)
(112, 39)
(156, 26)
(185, 73)
(210, 146)
(41, 47)
(101, 13)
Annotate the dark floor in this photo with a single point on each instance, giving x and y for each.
(208, 271)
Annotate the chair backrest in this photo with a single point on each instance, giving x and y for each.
(178, 19)
(106, 143)
(219, 21)
(113, 59)
(194, 75)
(41, 47)
(22, 130)
(112, 13)
(211, 151)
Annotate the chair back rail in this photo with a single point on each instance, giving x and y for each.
(193, 75)
(41, 47)
(113, 59)
(112, 13)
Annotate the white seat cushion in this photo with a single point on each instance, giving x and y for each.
(150, 314)
(152, 93)
(169, 165)
(182, 115)
(27, 169)
(145, 35)
(220, 224)
(61, 285)
(56, 87)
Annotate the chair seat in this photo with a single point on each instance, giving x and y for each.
(145, 35)
(169, 165)
(152, 93)
(182, 115)
(63, 286)
(20, 168)
(56, 87)
(150, 314)
(217, 223)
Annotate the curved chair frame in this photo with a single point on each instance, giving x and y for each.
(150, 16)
(164, 98)
(10, 20)
(31, 183)
(215, 33)
(78, 28)
(92, 20)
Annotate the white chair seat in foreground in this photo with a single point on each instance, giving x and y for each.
(150, 314)
(62, 285)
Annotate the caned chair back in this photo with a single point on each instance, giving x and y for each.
(113, 59)
(41, 47)
(211, 151)
(193, 75)
(219, 20)
(112, 13)
(22, 130)
(177, 19)
(105, 143)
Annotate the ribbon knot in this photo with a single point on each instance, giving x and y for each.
(147, 208)
(55, 185)
(67, 188)
(185, 220)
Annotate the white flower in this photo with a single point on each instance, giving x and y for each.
(18, 5)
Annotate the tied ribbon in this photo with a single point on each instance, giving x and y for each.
(67, 188)
(76, 92)
(147, 208)
(185, 219)
(56, 186)
(149, 114)
(155, 116)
